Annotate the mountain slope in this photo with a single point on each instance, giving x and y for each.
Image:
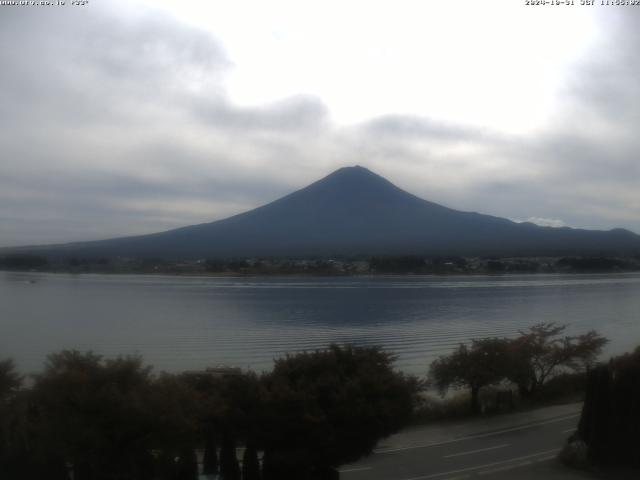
(354, 211)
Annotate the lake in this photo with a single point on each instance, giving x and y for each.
(179, 323)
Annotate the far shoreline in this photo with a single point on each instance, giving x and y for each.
(336, 266)
(235, 275)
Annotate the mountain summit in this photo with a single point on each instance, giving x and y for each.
(353, 211)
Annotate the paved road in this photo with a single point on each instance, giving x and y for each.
(487, 453)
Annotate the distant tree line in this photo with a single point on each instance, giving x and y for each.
(338, 265)
(594, 264)
(403, 264)
(277, 267)
(20, 261)
(527, 361)
(90, 418)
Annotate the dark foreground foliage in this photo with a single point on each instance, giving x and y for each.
(330, 407)
(90, 418)
(610, 422)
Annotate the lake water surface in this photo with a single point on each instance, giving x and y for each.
(181, 323)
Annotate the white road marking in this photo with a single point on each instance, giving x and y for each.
(359, 469)
(486, 465)
(471, 437)
(569, 430)
(505, 468)
(522, 464)
(476, 451)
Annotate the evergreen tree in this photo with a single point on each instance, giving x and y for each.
(595, 420)
(166, 466)
(187, 464)
(229, 467)
(284, 465)
(210, 458)
(250, 463)
(610, 421)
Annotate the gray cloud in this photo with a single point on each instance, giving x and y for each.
(114, 124)
(412, 127)
(607, 84)
(74, 66)
(292, 114)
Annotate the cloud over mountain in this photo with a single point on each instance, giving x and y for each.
(115, 119)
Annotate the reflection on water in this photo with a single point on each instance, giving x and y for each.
(190, 322)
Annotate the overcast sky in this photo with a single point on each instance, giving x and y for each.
(120, 118)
